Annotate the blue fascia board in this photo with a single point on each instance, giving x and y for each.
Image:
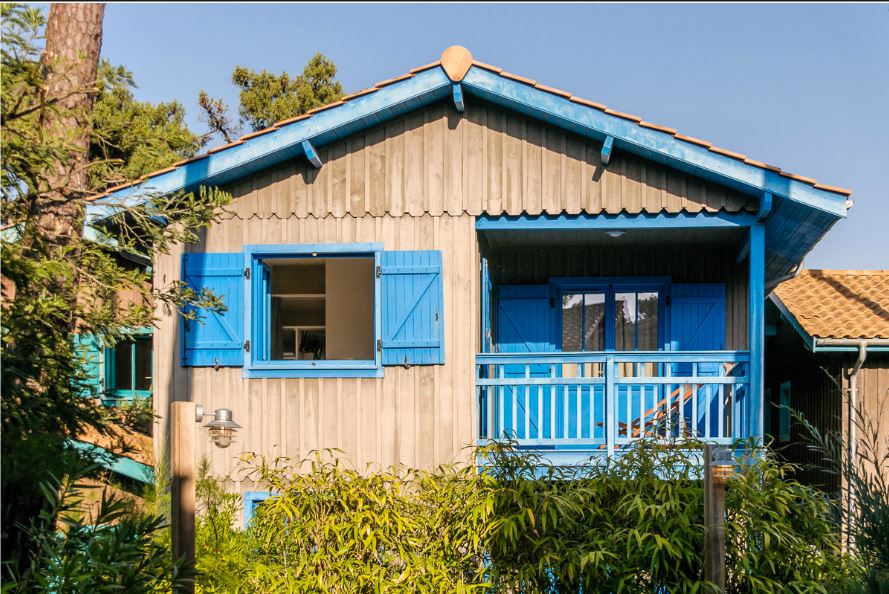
(645, 142)
(286, 142)
(119, 464)
(791, 319)
(565, 222)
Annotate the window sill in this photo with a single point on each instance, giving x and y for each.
(301, 372)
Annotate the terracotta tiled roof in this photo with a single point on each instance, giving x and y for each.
(839, 303)
(499, 71)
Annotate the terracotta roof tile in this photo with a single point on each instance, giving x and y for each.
(808, 180)
(589, 103)
(389, 81)
(224, 146)
(552, 90)
(693, 140)
(626, 116)
(839, 303)
(195, 158)
(496, 69)
(259, 133)
(291, 120)
(658, 128)
(836, 189)
(521, 79)
(425, 67)
(325, 107)
(360, 93)
(727, 153)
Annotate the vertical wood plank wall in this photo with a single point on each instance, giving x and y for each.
(417, 182)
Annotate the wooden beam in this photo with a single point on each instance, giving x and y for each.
(458, 97)
(607, 147)
(765, 207)
(182, 457)
(311, 154)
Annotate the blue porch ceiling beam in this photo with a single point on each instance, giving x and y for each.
(607, 146)
(645, 142)
(765, 207)
(311, 154)
(756, 331)
(564, 222)
(457, 92)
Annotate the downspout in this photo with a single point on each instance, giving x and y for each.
(852, 376)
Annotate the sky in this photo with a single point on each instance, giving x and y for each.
(803, 87)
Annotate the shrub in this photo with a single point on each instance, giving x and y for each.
(631, 525)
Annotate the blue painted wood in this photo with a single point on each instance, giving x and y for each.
(252, 499)
(765, 207)
(219, 338)
(619, 357)
(411, 291)
(645, 142)
(607, 147)
(285, 143)
(458, 97)
(756, 331)
(92, 360)
(121, 465)
(487, 289)
(565, 222)
(311, 154)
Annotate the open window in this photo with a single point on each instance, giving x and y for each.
(128, 368)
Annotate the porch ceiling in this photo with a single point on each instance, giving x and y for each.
(598, 237)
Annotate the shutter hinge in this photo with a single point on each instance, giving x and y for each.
(379, 271)
(247, 272)
(247, 345)
(379, 345)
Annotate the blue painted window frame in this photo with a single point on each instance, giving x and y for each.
(252, 499)
(611, 285)
(111, 391)
(257, 334)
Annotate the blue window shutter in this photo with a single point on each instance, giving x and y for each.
(218, 338)
(88, 349)
(412, 308)
(697, 317)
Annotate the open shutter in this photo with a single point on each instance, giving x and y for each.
(412, 308)
(92, 354)
(697, 317)
(218, 338)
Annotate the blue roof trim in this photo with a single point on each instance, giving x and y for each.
(565, 222)
(645, 142)
(119, 464)
(285, 142)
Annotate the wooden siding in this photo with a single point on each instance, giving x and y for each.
(488, 160)
(421, 416)
(535, 265)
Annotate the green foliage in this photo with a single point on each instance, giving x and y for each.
(57, 282)
(865, 514)
(131, 138)
(633, 525)
(114, 550)
(266, 98)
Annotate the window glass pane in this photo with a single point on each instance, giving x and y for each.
(647, 321)
(625, 321)
(143, 364)
(594, 322)
(572, 321)
(322, 308)
(123, 366)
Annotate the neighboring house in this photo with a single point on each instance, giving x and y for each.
(830, 349)
(460, 253)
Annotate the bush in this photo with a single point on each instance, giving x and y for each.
(632, 525)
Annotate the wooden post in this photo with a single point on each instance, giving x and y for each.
(714, 522)
(182, 455)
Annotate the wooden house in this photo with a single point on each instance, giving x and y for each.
(460, 253)
(827, 357)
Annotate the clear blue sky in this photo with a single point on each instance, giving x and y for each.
(802, 87)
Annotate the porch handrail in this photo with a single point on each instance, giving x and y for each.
(607, 399)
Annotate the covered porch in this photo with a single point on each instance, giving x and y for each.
(598, 331)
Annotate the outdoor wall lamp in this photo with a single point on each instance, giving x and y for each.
(615, 233)
(722, 466)
(222, 427)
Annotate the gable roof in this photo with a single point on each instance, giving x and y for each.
(803, 209)
(837, 303)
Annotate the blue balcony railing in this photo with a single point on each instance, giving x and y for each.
(599, 402)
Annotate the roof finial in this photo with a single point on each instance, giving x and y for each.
(456, 61)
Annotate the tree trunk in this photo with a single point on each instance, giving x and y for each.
(69, 64)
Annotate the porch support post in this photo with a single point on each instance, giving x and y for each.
(610, 395)
(756, 330)
(182, 454)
